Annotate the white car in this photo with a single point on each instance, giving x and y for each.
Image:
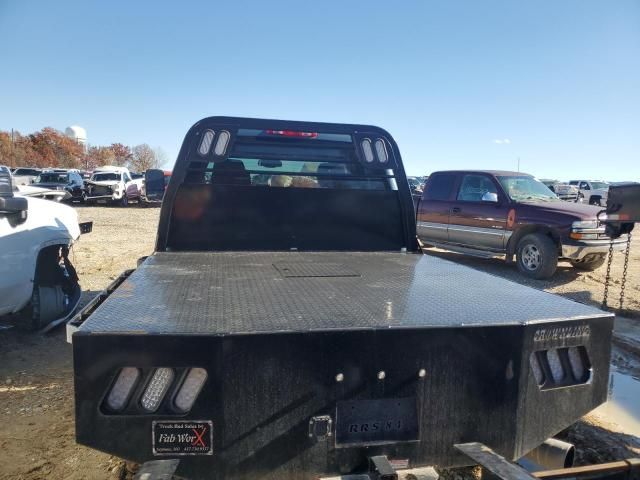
(594, 192)
(109, 185)
(25, 176)
(37, 279)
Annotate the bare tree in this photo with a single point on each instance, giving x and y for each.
(143, 158)
(161, 157)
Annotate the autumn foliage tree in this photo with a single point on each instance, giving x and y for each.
(98, 157)
(50, 148)
(54, 149)
(122, 154)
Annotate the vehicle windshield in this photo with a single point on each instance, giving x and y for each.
(525, 188)
(599, 185)
(53, 178)
(101, 177)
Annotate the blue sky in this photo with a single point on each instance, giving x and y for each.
(558, 79)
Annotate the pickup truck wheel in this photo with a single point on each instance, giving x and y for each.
(537, 256)
(124, 201)
(47, 303)
(589, 265)
(595, 200)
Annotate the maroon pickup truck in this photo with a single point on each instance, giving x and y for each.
(488, 213)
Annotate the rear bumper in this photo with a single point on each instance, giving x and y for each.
(266, 401)
(97, 198)
(579, 250)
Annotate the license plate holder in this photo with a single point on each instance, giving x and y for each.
(376, 422)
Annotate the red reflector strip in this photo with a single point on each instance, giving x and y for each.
(291, 133)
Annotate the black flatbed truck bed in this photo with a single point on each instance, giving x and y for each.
(237, 293)
(287, 326)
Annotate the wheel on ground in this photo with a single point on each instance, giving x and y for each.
(124, 201)
(595, 200)
(47, 304)
(590, 264)
(537, 256)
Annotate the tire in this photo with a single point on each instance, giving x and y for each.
(35, 323)
(595, 200)
(537, 256)
(589, 265)
(124, 201)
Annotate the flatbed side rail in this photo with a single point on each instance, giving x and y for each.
(74, 324)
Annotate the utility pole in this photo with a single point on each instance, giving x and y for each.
(13, 155)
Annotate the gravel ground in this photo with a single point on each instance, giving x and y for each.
(36, 402)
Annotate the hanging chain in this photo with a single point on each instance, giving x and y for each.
(624, 271)
(607, 278)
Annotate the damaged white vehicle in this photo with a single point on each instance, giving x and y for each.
(37, 280)
(109, 185)
(45, 193)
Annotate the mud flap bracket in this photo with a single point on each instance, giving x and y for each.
(157, 470)
(499, 466)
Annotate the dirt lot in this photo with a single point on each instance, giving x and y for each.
(36, 403)
(585, 287)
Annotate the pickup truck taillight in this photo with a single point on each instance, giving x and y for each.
(561, 367)
(186, 388)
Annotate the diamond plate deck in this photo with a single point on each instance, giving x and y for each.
(225, 293)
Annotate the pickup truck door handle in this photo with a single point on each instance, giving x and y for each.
(455, 210)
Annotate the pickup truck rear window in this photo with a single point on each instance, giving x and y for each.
(52, 178)
(473, 188)
(320, 160)
(440, 186)
(25, 171)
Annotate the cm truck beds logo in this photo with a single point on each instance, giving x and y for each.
(562, 333)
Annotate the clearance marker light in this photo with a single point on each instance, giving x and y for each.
(292, 133)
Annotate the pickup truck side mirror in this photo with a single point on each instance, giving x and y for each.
(8, 203)
(490, 197)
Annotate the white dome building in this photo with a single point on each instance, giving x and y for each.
(79, 134)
